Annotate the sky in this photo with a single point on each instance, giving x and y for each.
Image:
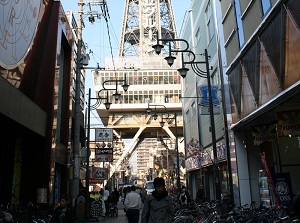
(96, 35)
(103, 41)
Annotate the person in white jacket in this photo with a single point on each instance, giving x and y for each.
(133, 204)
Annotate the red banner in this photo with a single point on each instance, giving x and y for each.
(273, 191)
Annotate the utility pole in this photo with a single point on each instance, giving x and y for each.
(76, 142)
(78, 86)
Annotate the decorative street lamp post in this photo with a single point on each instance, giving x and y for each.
(204, 74)
(90, 106)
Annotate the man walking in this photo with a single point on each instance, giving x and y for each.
(133, 204)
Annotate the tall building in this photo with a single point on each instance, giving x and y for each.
(152, 82)
(35, 102)
(201, 136)
(262, 50)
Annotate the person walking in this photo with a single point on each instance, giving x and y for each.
(64, 213)
(184, 196)
(158, 206)
(114, 196)
(133, 204)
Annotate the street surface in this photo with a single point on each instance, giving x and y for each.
(120, 219)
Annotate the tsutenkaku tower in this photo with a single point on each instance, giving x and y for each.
(152, 83)
(143, 20)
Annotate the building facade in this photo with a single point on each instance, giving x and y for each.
(262, 52)
(36, 103)
(201, 161)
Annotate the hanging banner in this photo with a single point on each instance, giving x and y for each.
(103, 135)
(273, 191)
(264, 133)
(289, 123)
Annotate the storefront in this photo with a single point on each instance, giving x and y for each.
(201, 170)
(268, 152)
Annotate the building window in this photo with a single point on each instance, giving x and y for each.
(265, 6)
(209, 22)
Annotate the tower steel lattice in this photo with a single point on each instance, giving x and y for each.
(151, 80)
(143, 20)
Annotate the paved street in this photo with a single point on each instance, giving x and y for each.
(120, 219)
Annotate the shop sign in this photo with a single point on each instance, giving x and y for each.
(19, 20)
(289, 123)
(283, 186)
(99, 173)
(264, 133)
(103, 135)
(104, 154)
(203, 90)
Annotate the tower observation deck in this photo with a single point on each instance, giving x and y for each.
(152, 82)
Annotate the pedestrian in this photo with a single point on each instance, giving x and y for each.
(158, 206)
(133, 204)
(200, 194)
(184, 196)
(105, 198)
(64, 213)
(114, 196)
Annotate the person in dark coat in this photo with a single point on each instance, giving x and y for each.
(184, 196)
(158, 206)
(200, 196)
(64, 213)
(114, 196)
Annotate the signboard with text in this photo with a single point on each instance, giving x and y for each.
(104, 154)
(103, 135)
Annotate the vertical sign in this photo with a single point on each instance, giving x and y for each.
(283, 186)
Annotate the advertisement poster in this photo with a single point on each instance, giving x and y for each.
(264, 133)
(289, 123)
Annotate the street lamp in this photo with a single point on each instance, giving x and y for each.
(162, 123)
(93, 107)
(204, 74)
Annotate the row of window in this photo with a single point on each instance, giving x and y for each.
(141, 78)
(151, 96)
